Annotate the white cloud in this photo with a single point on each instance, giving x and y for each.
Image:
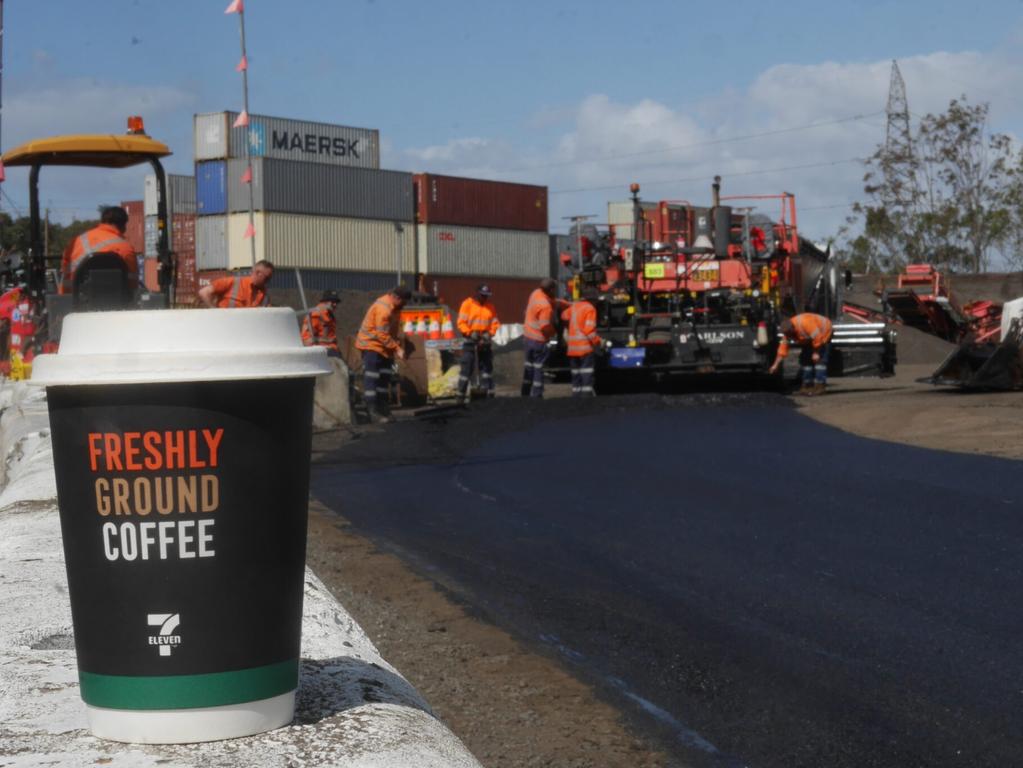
(610, 144)
(88, 106)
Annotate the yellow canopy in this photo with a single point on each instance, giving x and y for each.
(97, 151)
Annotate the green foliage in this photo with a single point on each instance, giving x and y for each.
(951, 197)
(15, 234)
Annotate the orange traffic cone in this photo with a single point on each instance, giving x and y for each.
(421, 328)
(447, 330)
(434, 329)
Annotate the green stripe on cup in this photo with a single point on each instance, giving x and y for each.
(216, 689)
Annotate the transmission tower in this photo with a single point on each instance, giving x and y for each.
(899, 162)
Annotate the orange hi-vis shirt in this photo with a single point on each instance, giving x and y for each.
(238, 293)
(582, 328)
(539, 323)
(104, 238)
(319, 329)
(476, 317)
(379, 331)
(807, 328)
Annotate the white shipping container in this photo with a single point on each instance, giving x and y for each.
(620, 216)
(180, 194)
(211, 242)
(216, 139)
(451, 250)
(322, 242)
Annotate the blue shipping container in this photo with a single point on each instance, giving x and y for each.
(211, 187)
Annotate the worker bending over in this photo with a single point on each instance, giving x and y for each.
(477, 322)
(105, 237)
(537, 330)
(239, 292)
(378, 342)
(319, 328)
(813, 335)
(583, 342)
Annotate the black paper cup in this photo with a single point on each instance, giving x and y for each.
(181, 444)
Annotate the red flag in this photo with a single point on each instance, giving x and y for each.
(242, 65)
(236, 6)
(247, 176)
(242, 120)
(3, 173)
(250, 231)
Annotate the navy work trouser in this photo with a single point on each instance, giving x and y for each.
(582, 375)
(532, 375)
(471, 352)
(376, 375)
(811, 372)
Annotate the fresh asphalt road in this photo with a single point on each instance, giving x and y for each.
(756, 588)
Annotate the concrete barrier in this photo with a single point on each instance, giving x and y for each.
(354, 709)
(332, 407)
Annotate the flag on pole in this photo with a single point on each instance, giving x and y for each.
(242, 65)
(236, 6)
(247, 176)
(3, 173)
(250, 231)
(242, 120)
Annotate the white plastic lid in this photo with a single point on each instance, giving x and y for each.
(157, 346)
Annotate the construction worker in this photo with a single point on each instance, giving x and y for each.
(813, 335)
(477, 322)
(319, 328)
(583, 342)
(105, 237)
(378, 342)
(537, 330)
(239, 292)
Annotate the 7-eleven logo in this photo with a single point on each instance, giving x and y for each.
(166, 639)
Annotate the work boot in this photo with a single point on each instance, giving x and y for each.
(380, 417)
(462, 400)
(807, 390)
(819, 388)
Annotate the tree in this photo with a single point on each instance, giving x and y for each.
(945, 199)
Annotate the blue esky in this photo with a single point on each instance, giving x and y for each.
(578, 96)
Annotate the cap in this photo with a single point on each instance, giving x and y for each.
(330, 295)
(483, 290)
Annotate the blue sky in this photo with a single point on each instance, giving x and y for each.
(578, 96)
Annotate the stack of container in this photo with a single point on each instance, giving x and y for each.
(471, 231)
(322, 205)
(181, 215)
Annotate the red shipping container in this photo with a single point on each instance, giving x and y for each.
(150, 274)
(187, 282)
(183, 232)
(479, 203)
(136, 232)
(510, 295)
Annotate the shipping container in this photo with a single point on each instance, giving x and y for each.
(479, 203)
(322, 242)
(211, 242)
(150, 235)
(282, 186)
(180, 194)
(510, 295)
(136, 231)
(216, 139)
(211, 188)
(450, 250)
(186, 284)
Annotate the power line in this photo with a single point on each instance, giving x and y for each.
(708, 143)
(10, 202)
(704, 177)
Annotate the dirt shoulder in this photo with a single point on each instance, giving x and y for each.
(902, 410)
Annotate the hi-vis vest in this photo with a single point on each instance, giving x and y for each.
(582, 323)
(539, 311)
